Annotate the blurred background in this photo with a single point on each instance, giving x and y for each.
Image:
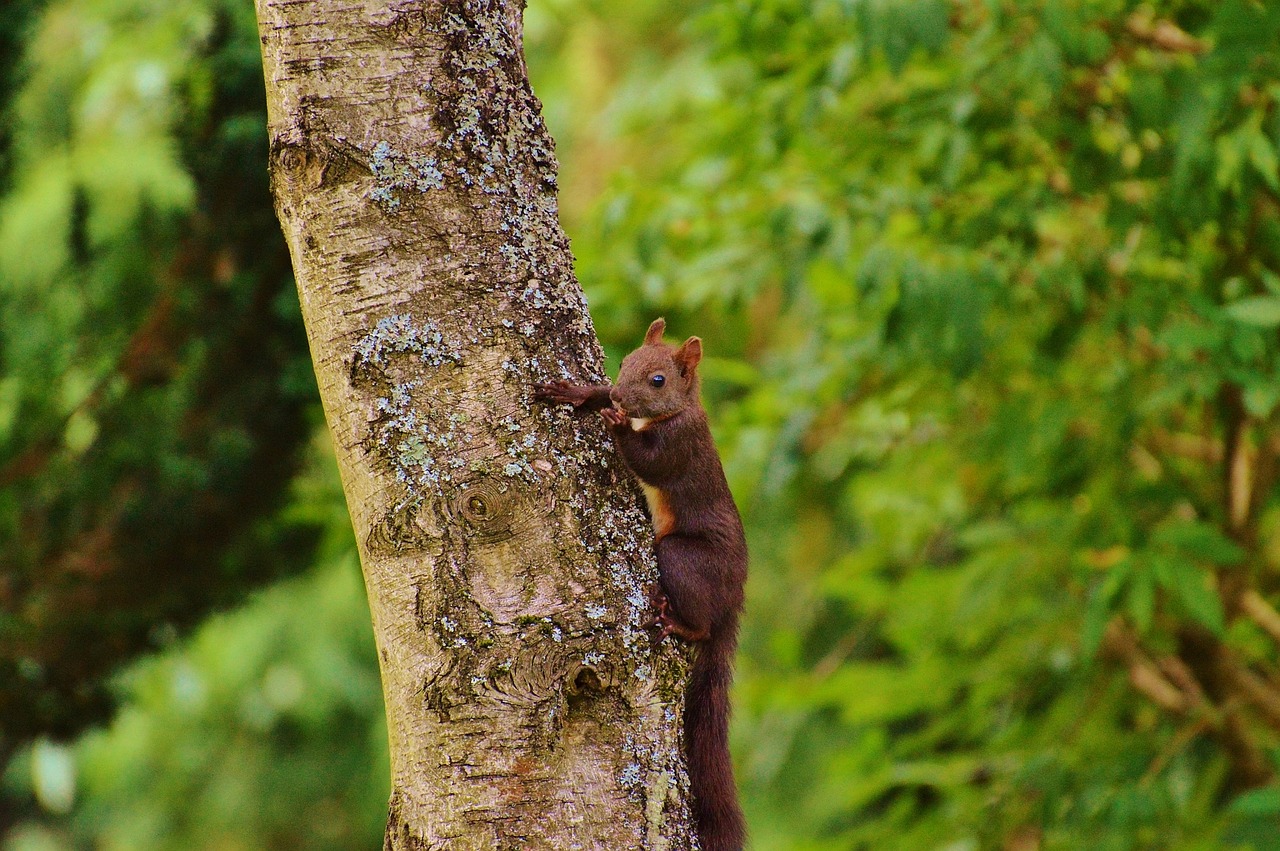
(991, 296)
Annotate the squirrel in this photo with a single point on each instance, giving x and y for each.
(658, 423)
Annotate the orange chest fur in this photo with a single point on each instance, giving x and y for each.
(664, 519)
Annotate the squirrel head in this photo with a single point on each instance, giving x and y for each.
(658, 380)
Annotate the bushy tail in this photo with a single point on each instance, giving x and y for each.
(706, 731)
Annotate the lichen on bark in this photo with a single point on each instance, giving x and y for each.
(505, 551)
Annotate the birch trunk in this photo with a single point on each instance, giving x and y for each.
(505, 552)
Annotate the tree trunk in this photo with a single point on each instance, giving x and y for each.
(505, 552)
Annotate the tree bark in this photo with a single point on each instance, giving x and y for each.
(505, 552)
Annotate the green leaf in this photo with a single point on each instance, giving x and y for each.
(35, 225)
(1142, 598)
(1263, 157)
(1262, 311)
(1230, 161)
(1199, 541)
(1261, 399)
(1258, 802)
(53, 776)
(1189, 585)
(1099, 610)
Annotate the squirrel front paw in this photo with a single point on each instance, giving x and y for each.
(613, 416)
(561, 392)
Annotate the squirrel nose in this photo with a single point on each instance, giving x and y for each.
(615, 396)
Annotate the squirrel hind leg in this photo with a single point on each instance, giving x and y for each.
(696, 601)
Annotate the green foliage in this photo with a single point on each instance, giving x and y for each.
(264, 730)
(989, 294)
(154, 384)
(972, 274)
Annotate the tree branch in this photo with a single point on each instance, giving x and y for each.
(1261, 612)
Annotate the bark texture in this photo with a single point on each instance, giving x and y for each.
(505, 551)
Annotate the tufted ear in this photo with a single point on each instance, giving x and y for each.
(653, 336)
(689, 355)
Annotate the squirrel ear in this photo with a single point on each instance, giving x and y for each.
(654, 335)
(689, 355)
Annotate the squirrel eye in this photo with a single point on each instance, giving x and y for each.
(658, 380)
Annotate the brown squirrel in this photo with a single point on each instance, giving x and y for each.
(658, 423)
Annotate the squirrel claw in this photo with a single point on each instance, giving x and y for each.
(660, 617)
(613, 416)
(658, 600)
(668, 625)
(557, 391)
(665, 622)
(664, 628)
